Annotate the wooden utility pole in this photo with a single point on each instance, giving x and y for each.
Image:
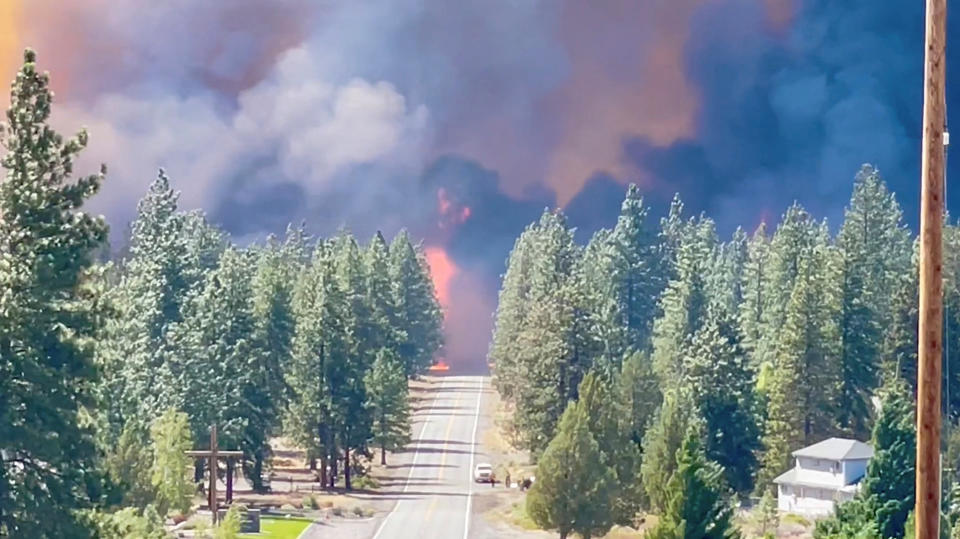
(931, 274)
(214, 453)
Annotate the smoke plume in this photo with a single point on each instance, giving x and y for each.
(462, 121)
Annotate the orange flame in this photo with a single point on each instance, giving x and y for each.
(442, 270)
(450, 214)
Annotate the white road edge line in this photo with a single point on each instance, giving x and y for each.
(473, 453)
(413, 463)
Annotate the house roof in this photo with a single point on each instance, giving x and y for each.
(836, 449)
(793, 478)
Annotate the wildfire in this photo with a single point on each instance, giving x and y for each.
(450, 212)
(442, 270)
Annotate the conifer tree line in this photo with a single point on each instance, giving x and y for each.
(111, 369)
(314, 338)
(755, 345)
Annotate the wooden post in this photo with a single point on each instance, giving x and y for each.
(213, 454)
(229, 481)
(213, 472)
(931, 278)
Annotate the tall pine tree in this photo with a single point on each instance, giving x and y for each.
(875, 251)
(47, 246)
(806, 375)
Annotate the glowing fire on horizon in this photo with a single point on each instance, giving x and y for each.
(442, 271)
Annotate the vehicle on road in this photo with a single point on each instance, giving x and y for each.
(483, 473)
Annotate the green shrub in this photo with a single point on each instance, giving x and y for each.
(337, 511)
(310, 502)
(365, 482)
(230, 527)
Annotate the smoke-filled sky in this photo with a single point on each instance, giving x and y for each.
(463, 120)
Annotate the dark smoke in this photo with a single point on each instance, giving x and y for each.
(346, 113)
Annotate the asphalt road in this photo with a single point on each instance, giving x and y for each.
(435, 495)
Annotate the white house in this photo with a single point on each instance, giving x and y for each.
(825, 473)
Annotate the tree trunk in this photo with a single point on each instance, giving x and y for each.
(198, 468)
(563, 535)
(229, 481)
(256, 475)
(383, 455)
(323, 471)
(333, 469)
(313, 464)
(346, 468)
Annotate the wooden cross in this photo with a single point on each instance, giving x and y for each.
(214, 453)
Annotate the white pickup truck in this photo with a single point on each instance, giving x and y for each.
(483, 473)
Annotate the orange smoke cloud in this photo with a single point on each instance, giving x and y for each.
(629, 83)
(10, 53)
(442, 271)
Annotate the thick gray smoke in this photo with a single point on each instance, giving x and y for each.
(384, 114)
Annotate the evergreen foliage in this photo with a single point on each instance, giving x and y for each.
(574, 488)
(388, 402)
(47, 318)
(661, 443)
(171, 439)
(887, 497)
(699, 504)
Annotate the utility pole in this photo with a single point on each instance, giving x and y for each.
(931, 274)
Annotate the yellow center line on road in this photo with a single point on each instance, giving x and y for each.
(443, 457)
(433, 504)
(446, 438)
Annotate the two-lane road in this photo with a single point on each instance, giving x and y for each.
(434, 496)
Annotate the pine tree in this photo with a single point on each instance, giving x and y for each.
(218, 364)
(769, 515)
(732, 260)
(416, 305)
(699, 504)
(756, 278)
(640, 394)
(319, 355)
(574, 487)
(793, 240)
(722, 386)
(875, 248)
(802, 392)
(277, 268)
(388, 327)
(632, 278)
(558, 345)
(890, 479)
(168, 257)
(171, 439)
(673, 228)
(387, 400)
(951, 299)
(47, 247)
(685, 299)
(606, 419)
(351, 417)
(129, 467)
(511, 317)
(661, 443)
